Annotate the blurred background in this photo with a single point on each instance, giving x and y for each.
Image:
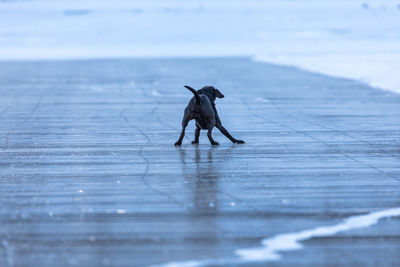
(354, 39)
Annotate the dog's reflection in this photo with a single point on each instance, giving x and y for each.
(202, 170)
(201, 179)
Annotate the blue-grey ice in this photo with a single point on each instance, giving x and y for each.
(92, 178)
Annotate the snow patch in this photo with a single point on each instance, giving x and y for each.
(271, 247)
(261, 99)
(121, 211)
(155, 93)
(377, 70)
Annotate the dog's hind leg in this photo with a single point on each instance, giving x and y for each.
(185, 122)
(196, 135)
(213, 142)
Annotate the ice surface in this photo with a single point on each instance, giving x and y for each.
(318, 150)
(353, 39)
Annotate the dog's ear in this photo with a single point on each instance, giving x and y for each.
(218, 94)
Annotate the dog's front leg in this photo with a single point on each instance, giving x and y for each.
(224, 131)
(227, 134)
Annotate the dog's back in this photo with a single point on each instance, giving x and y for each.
(203, 112)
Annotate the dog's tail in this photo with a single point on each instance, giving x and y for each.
(196, 95)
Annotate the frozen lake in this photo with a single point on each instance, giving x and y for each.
(352, 39)
(90, 176)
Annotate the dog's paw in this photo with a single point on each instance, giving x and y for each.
(239, 142)
(215, 144)
(178, 144)
(194, 142)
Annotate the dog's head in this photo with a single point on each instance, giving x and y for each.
(211, 92)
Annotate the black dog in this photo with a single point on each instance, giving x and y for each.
(202, 108)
